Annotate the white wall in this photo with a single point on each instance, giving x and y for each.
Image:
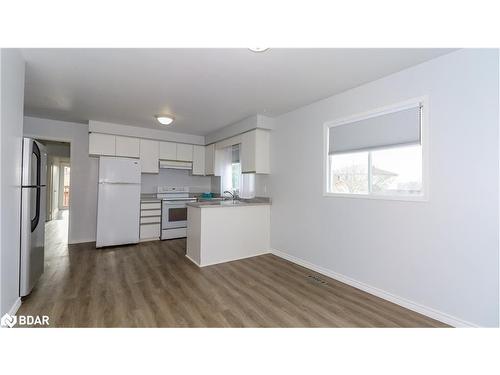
(172, 177)
(442, 254)
(84, 172)
(12, 70)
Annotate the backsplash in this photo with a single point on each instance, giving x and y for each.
(174, 177)
(197, 184)
(261, 185)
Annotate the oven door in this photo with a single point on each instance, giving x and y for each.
(174, 215)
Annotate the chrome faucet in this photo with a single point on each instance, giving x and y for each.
(233, 194)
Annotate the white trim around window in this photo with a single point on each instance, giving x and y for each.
(424, 102)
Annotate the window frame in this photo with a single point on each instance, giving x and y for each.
(424, 197)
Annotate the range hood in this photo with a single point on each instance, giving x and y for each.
(173, 164)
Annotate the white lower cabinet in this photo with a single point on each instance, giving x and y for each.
(150, 224)
(150, 156)
(149, 232)
(150, 205)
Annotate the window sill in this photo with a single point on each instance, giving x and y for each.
(406, 198)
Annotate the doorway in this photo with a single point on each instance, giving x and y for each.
(58, 197)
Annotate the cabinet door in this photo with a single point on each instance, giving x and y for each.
(247, 152)
(209, 159)
(254, 152)
(101, 144)
(184, 152)
(168, 151)
(150, 155)
(262, 157)
(150, 231)
(128, 147)
(198, 160)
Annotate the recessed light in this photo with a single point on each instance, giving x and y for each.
(259, 49)
(164, 119)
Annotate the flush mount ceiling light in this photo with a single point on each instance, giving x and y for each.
(258, 49)
(165, 119)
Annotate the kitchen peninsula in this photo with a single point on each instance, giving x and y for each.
(224, 231)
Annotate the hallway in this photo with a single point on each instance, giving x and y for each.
(56, 236)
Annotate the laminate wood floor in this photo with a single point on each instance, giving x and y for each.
(153, 284)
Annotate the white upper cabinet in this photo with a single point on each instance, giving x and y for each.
(254, 152)
(210, 159)
(199, 160)
(168, 151)
(128, 147)
(102, 144)
(150, 155)
(184, 152)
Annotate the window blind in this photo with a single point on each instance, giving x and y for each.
(387, 130)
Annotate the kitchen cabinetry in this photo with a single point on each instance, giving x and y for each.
(254, 152)
(127, 146)
(210, 159)
(184, 152)
(168, 151)
(198, 160)
(102, 144)
(150, 225)
(150, 155)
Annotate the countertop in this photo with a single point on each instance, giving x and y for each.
(230, 203)
(149, 198)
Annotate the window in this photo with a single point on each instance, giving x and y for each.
(379, 155)
(349, 173)
(243, 184)
(235, 169)
(393, 171)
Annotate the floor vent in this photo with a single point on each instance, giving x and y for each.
(316, 279)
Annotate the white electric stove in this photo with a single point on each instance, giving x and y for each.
(174, 211)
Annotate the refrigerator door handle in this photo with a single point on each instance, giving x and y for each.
(36, 219)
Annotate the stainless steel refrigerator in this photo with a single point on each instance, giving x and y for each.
(33, 198)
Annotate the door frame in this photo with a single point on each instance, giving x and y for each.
(71, 158)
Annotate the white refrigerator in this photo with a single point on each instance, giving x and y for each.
(118, 202)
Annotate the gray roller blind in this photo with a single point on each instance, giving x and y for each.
(391, 129)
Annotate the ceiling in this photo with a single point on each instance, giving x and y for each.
(204, 89)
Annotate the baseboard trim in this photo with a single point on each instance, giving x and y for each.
(15, 307)
(227, 261)
(192, 260)
(75, 242)
(424, 310)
